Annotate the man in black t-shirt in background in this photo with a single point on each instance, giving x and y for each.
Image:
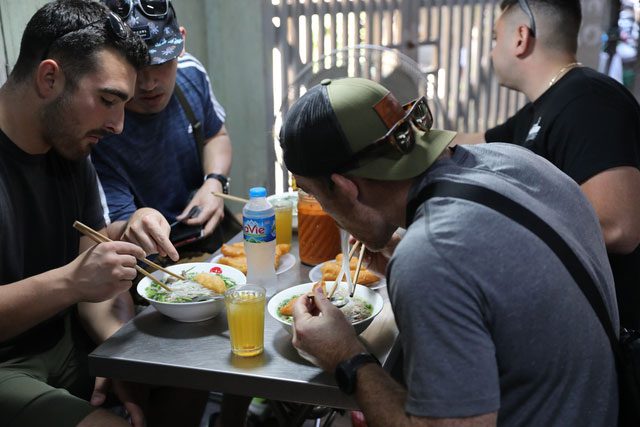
(584, 122)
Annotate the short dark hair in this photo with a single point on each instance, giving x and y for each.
(562, 18)
(72, 31)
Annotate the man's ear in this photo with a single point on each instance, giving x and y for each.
(345, 186)
(183, 32)
(524, 41)
(49, 79)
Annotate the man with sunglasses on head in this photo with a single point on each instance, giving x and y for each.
(487, 313)
(157, 160)
(584, 122)
(61, 293)
(162, 155)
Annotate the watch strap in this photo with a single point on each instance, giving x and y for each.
(224, 180)
(346, 371)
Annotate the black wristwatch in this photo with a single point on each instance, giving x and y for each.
(224, 180)
(346, 371)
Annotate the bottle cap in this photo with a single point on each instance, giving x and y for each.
(257, 192)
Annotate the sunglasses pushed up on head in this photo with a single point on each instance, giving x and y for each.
(400, 137)
(524, 5)
(151, 8)
(116, 26)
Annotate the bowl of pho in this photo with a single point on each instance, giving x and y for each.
(198, 298)
(360, 309)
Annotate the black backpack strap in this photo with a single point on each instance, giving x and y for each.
(537, 226)
(196, 126)
(230, 223)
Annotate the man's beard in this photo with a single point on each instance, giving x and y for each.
(58, 128)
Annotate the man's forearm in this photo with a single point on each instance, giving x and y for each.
(380, 397)
(217, 154)
(101, 320)
(28, 302)
(382, 401)
(615, 196)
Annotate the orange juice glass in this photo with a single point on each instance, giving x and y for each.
(284, 219)
(318, 234)
(245, 315)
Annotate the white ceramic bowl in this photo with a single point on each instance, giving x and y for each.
(190, 311)
(369, 295)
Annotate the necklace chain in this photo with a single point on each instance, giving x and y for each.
(563, 70)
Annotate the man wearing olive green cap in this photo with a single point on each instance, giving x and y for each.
(487, 313)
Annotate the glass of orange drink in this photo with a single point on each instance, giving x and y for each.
(284, 219)
(245, 315)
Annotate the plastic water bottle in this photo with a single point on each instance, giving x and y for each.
(259, 231)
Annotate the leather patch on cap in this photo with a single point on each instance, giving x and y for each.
(389, 110)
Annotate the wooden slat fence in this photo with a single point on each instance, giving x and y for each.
(446, 43)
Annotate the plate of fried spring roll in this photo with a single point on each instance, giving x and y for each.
(234, 256)
(328, 271)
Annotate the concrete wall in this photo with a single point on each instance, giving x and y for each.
(228, 38)
(240, 66)
(192, 17)
(14, 16)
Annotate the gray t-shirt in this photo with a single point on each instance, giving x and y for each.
(491, 320)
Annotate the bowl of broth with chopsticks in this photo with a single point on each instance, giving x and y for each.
(360, 309)
(199, 297)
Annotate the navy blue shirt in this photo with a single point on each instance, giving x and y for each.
(155, 161)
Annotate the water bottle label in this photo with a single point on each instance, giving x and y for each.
(259, 230)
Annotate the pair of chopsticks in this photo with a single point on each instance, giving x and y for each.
(100, 238)
(342, 273)
(229, 197)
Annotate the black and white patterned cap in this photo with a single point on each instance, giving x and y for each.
(162, 35)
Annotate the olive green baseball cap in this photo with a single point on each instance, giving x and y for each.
(337, 118)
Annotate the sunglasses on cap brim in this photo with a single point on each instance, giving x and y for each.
(400, 137)
(151, 8)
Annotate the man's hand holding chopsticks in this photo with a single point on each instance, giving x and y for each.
(103, 271)
(321, 332)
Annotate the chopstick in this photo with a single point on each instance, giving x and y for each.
(229, 197)
(342, 273)
(84, 229)
(357, 273)
(153, 279)
(100, 238)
